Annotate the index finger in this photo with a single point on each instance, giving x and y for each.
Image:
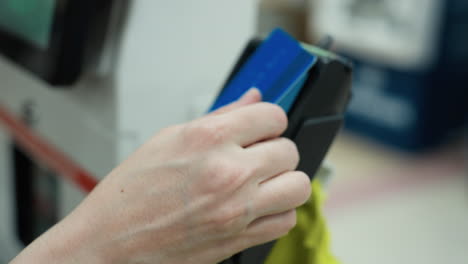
(254, 123)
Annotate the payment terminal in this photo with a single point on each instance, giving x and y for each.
(311, 84)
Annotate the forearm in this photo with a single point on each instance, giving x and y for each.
(64, 243)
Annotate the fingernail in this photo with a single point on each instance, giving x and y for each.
(249, 93)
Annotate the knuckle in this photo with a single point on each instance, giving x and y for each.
(248, 168)
(224, 174)
(291, 150)
(230, 220)
(278, 114)
(207, 131)
(283, 151)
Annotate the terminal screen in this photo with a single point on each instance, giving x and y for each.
(29, 20)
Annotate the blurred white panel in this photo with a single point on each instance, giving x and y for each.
(174, 51)
(398, 33)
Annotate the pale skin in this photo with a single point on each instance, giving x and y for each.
(198, 192)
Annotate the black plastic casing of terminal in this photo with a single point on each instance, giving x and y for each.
(314, 120)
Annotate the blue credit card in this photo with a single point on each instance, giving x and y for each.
(278, 68)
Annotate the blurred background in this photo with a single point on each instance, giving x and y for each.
(83, 84)
(399, 194)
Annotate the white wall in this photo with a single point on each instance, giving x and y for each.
(175, 57)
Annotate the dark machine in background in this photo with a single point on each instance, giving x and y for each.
(53, 39)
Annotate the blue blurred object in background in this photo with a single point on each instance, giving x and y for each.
(411, 67)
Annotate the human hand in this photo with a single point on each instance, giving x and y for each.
(195, 193)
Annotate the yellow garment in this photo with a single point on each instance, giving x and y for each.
(309, 241)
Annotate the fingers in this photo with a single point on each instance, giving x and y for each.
(253, 123)
(285, 191)
(243, 122)
(282, 193)
(266, 229)
(252, 96)
(272, 157)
